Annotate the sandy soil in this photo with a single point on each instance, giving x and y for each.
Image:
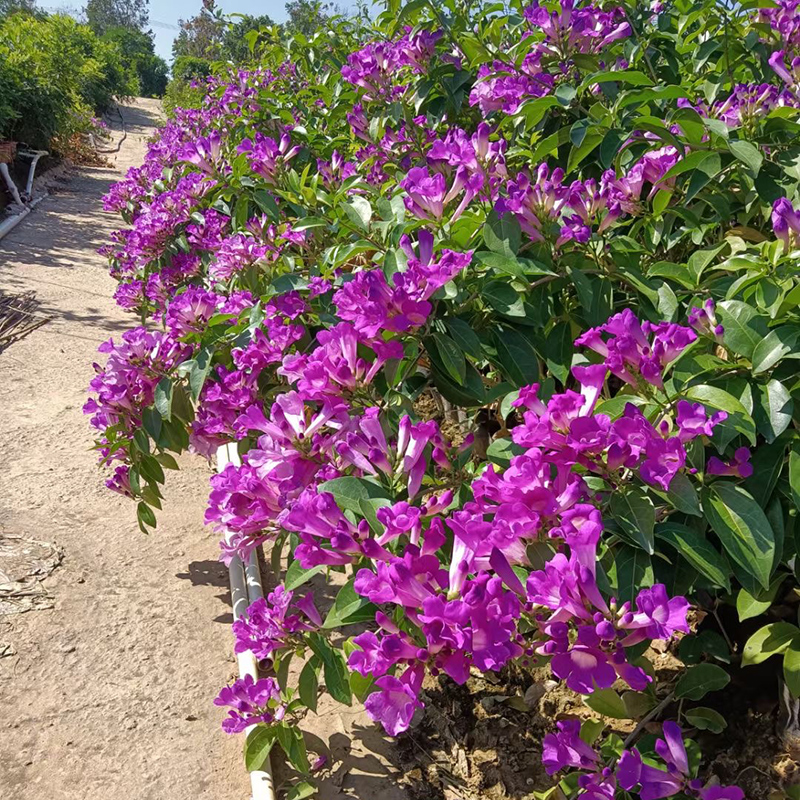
(112, 688)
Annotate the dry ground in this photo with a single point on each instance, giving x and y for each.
(111, 690)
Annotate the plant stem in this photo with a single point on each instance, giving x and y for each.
(647, 718)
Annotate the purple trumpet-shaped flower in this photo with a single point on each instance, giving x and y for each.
(396, 700)
(704, 320)
(654, 783)
(692, 420)
(566, 749)
(738, 467)
(427, 195)
(250, 702)
(268, 623)
(786, 223)
(268, 157)
(657, 616)
(791, 75)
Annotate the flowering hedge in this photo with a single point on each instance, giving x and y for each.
(501, 307)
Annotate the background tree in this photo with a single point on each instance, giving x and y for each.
(138, 50)
(11, 6)
(102, 15)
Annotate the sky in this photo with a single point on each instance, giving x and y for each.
(164, 16)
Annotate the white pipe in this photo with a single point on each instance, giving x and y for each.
(7, 225)
(245, 589)
(37, 154)
(10, 184)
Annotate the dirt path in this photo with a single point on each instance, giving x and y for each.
(110, 691)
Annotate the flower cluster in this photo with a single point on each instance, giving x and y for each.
(566, 750)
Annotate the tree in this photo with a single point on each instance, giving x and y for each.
(200, 37)
(138, 52)
(235, 46)
(307, 16)
(102, 15)
(12, 6)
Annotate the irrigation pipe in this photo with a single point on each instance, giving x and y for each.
(7, 225)
(245, 589)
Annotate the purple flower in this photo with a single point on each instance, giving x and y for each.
(654, 783)
(786, 223)
(692, 420)
(738, 467)
(704, 320)
(396, 700)
(657, 616)
(268, 157)
(567, 749)
(251, 702)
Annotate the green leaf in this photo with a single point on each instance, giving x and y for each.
(770, 640)
(693, 648)
(163, 398)
(448, 356)
(748, 154)
(791, 667)
(349, 491)
(698, 551)
(749, 606)
(296, 576)
(201, 366)
(257, 747)
(698, 681)
(291, 740)
(738, 418)
(501, 451)
(634, 511)
(744, 328)
(503, 298)
(335, 670)
(632, 571)
(578, 154)
(308, 682)
(767, 461)
(683, 496)
(777, 344)
(743, 529)
(629, 77)
(359, 211)
(361, 685)
(502, 235)
(637, 704)
(464, 336)
(606, 702)
(773, 410)
(794, 473)
(301, 791)
(471, 394)
(516, 356)
(145, 516)
(706, 719)
(557, 350)
(349, 608)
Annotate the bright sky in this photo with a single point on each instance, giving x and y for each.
(164, 16)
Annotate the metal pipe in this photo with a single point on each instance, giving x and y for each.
(245, 589)
(12, 188)
(7, 225)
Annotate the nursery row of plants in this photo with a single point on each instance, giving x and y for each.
(501, 306)
(57, 74)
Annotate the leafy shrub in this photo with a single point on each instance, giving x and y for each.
(501, 308)
(56, 74)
